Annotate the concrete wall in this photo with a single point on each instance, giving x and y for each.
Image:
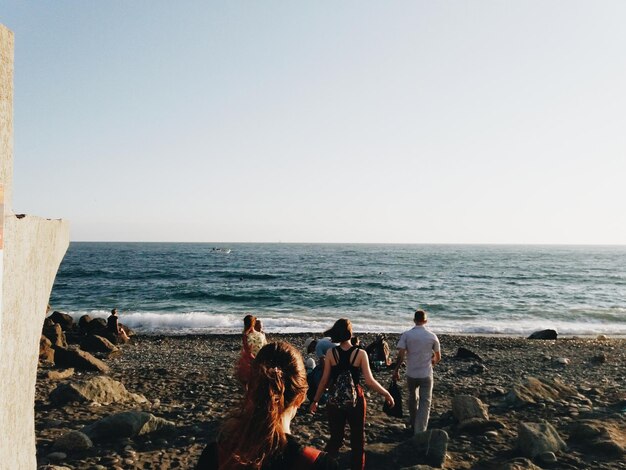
(33, 250)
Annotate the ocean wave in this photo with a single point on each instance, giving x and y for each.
(310, 321)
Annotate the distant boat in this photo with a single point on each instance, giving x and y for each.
(221, 250)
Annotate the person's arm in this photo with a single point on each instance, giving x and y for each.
(323, 382)
(436, 357)
(399, 361)
(370, 381)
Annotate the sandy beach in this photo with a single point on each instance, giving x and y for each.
(189, 381)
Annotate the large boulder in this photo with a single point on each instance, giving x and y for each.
(544, 334)
(99, 389)
(534, 390)
(80, 360)
(55, 334)
(126, 424)
(46, 352)
(73, 441)
(63, 319)
(534, 439)
(466, 407)
(603, 438)
(83, 323)
(96, 326)
(95, 343)
(428, 447)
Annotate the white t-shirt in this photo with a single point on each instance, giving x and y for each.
(420, 343)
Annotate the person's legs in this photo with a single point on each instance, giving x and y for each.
(336, 426)
(356, 421)
(411, 384)
(425, 391)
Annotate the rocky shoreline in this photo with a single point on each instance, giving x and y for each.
(514, 403)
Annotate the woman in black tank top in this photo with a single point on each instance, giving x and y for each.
(355, 360)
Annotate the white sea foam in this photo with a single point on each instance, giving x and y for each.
(213, 323)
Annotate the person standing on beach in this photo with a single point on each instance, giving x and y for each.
(252, 342)
(421, 349)
(321, 347)
(341, 360)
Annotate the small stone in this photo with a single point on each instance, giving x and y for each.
(563, 360)
(602, 337)
(56, 456)
(547, 457)
(491, 434)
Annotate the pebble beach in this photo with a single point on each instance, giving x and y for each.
(571, 386)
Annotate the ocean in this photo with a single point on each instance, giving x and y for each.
(178, 288)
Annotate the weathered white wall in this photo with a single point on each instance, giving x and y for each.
(33, 250)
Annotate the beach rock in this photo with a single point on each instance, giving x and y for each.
(126, 424)
(477, 368)
(83, 323)
(53, 467)
(60, 374)
(599, 359)
(96, 325)
(464, 353)
(63, 319)
(73, 441)
(55, 334)
(563, 360)
(534, 439)
(95, 343)
(602, 338)
(56, 456)
(46, 352)
(100, 389)
(80, 360)
(520, 464)
(544, 334)
(466, 407)
(600, 437)
(534, 390)
(427, 447)
(477, 426)
(547, 458)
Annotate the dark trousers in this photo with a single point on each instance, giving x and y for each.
(337, 418)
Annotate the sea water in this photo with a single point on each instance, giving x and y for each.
(179, 288)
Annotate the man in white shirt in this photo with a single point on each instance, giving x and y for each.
(421, 349)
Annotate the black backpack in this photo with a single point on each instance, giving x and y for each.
(343, 393)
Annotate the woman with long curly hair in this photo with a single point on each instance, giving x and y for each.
(257, 435)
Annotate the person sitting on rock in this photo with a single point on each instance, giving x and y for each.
(115, 328)
(257, 434)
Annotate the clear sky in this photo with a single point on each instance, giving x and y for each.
(323, 121)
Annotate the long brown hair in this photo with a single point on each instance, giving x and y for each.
(340, 331)
(248, 323)
(255, 431)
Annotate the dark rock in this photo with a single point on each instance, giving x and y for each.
(100, 389)
(479, 426)
(477, 368)
(73, 441)
(46, 352)
(427, 447)
(544, 334)
(96, 325)
(55, 334)
(520, 464)
(126, 424)
(95, 343)
(63, 319)
(83, 323)
(464, 353)
(599, 359)
(81, 360)
(534, 439)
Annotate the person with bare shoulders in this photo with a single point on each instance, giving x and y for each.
(115, 328)
(343, 367)
(252, 342)
(257, 434)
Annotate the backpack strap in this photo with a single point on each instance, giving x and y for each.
(307, 457)
(336, 354)
(355, 355)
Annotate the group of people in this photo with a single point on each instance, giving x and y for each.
(257, 434)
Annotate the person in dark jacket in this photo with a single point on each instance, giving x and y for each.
(257, 434)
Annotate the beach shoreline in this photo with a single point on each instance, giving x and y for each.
(189, 380)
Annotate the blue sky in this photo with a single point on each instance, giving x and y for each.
(399, 122)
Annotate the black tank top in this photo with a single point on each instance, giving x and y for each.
(343, 362)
